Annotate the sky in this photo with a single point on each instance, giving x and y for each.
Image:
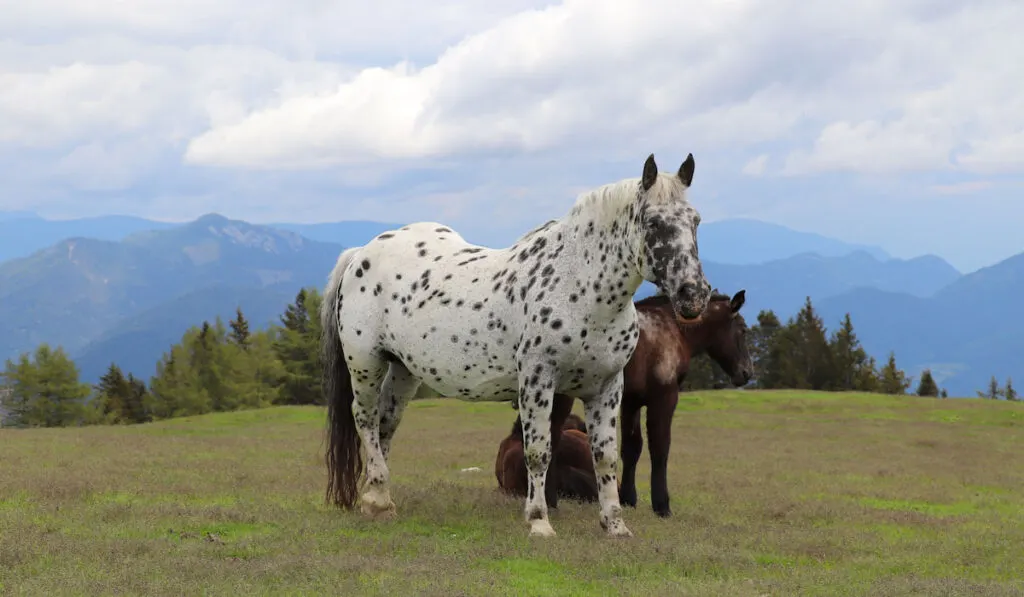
(898, 123)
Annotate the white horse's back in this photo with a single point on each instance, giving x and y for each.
(407, 283)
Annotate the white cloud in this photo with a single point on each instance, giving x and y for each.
(756, 166)
(885, 89)
(456, 108)
(874, 148)
(962, 188)
(880, 87)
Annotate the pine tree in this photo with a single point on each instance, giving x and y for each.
(212, 365)
(849, 359)
(927, 385)
(868, 376)
(113, 394)
(255, 372)
(944, 393)
(296, 316)
(891, 379)
(240, 329)
(812, 354)
(1009, 391)
(297, 347)
(993, 392)
(762, 353)
(44, 390)
(176, 389)
(137, 408)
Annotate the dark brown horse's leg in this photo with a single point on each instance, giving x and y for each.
(659, 440)
(632, 447)
(559, 413)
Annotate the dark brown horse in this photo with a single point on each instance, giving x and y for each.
(571, 473)
(655, 372)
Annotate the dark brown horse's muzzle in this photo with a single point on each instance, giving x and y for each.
(742, 377)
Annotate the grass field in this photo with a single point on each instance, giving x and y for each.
(773, 493)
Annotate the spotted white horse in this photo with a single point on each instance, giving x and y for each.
(549, 317)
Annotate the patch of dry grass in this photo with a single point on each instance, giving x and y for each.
(774, 493)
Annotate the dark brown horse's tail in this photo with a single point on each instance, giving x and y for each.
(344, 459)
(575, 483)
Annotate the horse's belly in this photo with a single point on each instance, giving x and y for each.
(475, 387)
(458, 358)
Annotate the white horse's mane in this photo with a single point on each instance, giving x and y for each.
(605, 204)
(607, 201)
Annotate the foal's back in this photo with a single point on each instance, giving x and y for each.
(662, 356)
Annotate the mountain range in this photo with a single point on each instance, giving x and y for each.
(124, 289)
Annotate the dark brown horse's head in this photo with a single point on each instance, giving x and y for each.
(723, 334)
(573, 421)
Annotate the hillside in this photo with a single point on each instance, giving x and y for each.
(739, 241)
(773, 493)
(128, 301)
(965, 332)
(24, 233)
(744, 241)
(783, 284)
(129, 297)
(135, 343)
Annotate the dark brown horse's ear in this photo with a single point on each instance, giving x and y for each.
(686, 170)
(650, 173)
(737, 300)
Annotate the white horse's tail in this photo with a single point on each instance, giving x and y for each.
(344, 460)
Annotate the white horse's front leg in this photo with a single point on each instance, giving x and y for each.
(536, 393)
(602, 411)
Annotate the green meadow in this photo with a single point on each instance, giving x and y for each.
(773, 493)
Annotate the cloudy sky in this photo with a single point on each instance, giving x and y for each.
(894, 122)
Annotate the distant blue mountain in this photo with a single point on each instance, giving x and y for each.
(22, 233)
(128, 299)
(136, 343)
(737, 241)
(345, 233)
(80, 292)
(17, 215)
(965, 332)
(783, 284)
(744, 241)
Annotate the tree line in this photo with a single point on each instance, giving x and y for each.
(215, 367)
(802, 354)
(219, 367)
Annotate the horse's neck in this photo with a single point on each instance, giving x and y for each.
(697, 337)
(604, 225)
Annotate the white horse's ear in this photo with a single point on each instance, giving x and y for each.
(686, 170)
(650, 173)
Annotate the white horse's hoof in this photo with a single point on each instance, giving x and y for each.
(619, 529)
(379, 511)
(541, 528)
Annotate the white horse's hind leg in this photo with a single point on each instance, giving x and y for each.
(535, 406)
(601, 412)
(366, 384)
(398, 389)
